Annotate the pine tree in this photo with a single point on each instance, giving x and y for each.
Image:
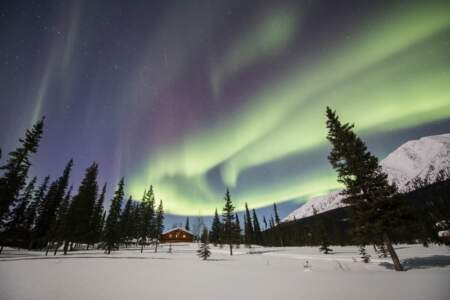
(96, 219)
(257, 229)
(277, 218)
(58, 230)
(204, 252)
(248, 228)
(147, 217)
(16, 228)
(215, 229)
(367, 189)
(17, 166)
(265, 222)
(82, 207)
(32, 209)
(186, 226)
(126, 221)
(228, 222)
(112, 229)
(238, 231)
(159, 224)
(49, 206)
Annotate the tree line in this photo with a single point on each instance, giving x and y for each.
(45, 215)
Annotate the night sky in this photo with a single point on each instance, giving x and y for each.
(197, 96)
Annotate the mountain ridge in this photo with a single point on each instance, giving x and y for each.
(420, 159)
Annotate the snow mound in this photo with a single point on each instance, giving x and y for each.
(417, 159)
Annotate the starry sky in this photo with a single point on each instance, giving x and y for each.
(196, 96)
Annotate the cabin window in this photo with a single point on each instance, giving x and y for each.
(184, 235)
(170, 235)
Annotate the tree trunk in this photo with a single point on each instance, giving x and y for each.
(1, 249)
(142, 247)
(156, 247)
(231, 249)
(397, 265)
(87, 247)
(56, 249)
(66, 247)
(46, 249)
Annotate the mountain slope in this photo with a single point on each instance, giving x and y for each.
(417, 159)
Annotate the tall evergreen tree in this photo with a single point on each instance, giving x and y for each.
(16, 228)
(248, 227)
(112, 229)
(147, 217)
(186, 226)
(126, 224)
(17, 166)
(215, 229)
(82, 207)
(96, 225)
(257, 229)
(58, 231)
(229, 227)
(367, 189)
(238, 230)
(159, 223)
(265, 222)
(49, 206)
(277, 218)
(32, 210)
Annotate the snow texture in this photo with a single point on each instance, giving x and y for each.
(422, 158)
(267, 273)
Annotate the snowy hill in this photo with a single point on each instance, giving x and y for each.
(422, 158)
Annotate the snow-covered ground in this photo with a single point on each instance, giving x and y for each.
(268, 273)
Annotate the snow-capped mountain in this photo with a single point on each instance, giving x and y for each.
(422, 158)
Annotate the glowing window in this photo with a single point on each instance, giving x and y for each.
(170, 235)
(184, 235)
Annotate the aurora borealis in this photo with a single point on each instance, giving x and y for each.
(197, 96)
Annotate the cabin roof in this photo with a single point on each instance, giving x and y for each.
(178, 228)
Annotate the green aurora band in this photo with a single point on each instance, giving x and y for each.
(393, 73)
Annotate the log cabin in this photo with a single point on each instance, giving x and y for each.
(177, 235)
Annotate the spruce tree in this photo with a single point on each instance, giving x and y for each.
(186, 226)
(32, 210)
(238, 231)
(147, 218)
(82, 207)
(367, 189)
(16, 228)
(265, 222)
(96, 225)
(257, 229)
(49, 206)
(112, 229)
(159, 224)
(277, 218)
(248, 228)
(204, 252)
(126, 222)
(215, 229)
(58, 231)
(16, 168)
(229, 228)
